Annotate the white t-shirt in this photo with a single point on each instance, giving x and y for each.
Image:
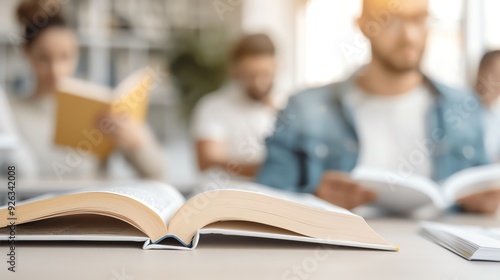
(230, 116)
(393, 130)
(492, 126)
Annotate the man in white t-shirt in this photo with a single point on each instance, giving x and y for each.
(488, 90)
(230, 125)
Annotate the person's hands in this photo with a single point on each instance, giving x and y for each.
(339, 189)
(127, 133)
(486, 202)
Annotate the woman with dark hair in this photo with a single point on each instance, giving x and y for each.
(51, 47)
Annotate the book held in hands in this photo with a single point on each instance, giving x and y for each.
(81, 105)
(404, 194)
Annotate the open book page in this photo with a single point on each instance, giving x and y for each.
(163, 199)
(247, 229)
(300, 198)
(128, 84)
(398, 193)
(80, 228)
(132, 95)
(298, 217)
(472, 180)
(85, 89)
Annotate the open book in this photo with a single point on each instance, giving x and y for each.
(81, 104)
(470, 242)
(404, 194)
(158, 215)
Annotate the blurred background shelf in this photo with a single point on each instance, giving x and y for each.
(116, 36)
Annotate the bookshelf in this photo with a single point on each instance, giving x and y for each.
(116, 36)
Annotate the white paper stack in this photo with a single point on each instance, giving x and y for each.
(472, 243)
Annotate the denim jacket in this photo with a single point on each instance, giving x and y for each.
(316, 133)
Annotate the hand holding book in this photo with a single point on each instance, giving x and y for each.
(338, 188)
(476, 189)
(125, 131)
(487, 202)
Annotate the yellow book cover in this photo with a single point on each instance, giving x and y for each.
(81, 105)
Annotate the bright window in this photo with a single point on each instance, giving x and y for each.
(334, 46)
(491, 24)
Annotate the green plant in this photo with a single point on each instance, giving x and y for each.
(198, 64)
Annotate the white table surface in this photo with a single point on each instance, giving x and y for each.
(222, 257)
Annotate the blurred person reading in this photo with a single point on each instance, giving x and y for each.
(52, 51)
(230, 125)
(488, 90)
(378, 117)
